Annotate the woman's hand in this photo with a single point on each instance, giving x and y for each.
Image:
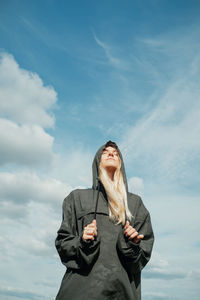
(90, 231)
(132, 234)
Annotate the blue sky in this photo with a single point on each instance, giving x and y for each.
(74, 74)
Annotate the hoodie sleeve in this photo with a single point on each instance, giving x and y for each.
(136, 256)
(73, 251)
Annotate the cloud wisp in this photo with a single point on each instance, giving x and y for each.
(166, 137)
(114, 61)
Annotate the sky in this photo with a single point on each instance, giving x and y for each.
(73, 75)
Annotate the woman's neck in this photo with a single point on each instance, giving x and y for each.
(111, 172)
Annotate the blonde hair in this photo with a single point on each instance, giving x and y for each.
(117, 195)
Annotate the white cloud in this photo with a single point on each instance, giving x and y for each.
(159, 274)
(155, 296)
(166, 140)
(136, 185)
(12, 210)
(24, 144)
(29, 221)
(25, 105)
(23, 187)
(31, 213)
(75, 167)
(23, 96)
(175, 224)
(28, 242)
(17, 293)
(157, 261)
(42, 225)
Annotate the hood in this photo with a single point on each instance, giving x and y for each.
(95, 168)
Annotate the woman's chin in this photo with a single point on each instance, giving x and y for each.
(111, 164)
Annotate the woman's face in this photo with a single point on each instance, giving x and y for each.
(110, 158)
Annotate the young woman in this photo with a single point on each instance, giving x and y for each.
(106, 237)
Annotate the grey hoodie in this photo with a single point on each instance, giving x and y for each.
(110, 266)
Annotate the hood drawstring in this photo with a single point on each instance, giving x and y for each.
(97, 198)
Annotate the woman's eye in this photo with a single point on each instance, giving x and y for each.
(107, 153)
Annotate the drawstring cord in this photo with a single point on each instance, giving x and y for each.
(97, 199)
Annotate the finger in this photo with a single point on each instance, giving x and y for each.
(94, 222)
(130, 230)
(133, 235)
(91, 226)
(126, 230)
(89, 230)
(138, 238)
(127, 224)
(88, 233)
(88, 237)
(93, 230)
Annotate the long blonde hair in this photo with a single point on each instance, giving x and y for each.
(117, 195)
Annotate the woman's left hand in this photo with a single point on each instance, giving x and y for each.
(132, 234)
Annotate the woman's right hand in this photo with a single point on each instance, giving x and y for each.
(90, 231)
